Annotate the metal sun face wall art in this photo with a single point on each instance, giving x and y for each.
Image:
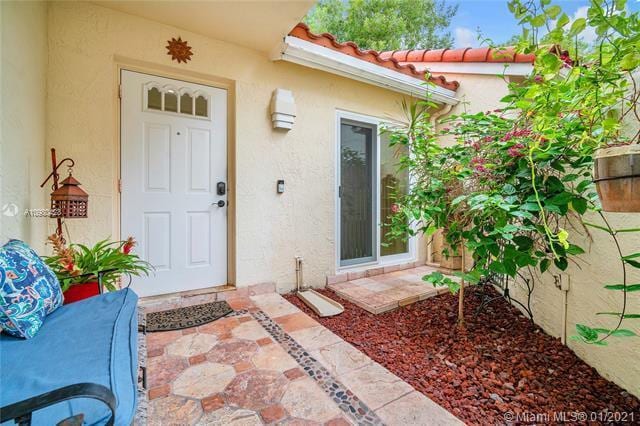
(179, 50)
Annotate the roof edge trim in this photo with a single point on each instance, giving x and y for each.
(302, 52)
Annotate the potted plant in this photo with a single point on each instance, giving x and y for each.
(82, 269)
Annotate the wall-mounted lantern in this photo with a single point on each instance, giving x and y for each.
(68, 200)
(283, 109)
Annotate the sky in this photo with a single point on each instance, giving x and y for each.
(496, 22)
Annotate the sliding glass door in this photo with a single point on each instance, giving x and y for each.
(357, 192)
(370, 182)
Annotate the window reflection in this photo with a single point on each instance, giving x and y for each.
(154, 99)
(201, 106)
(171, 101)
(186, 104)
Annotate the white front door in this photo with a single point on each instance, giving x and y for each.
(174, 181)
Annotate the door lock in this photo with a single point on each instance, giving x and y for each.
(221, 188)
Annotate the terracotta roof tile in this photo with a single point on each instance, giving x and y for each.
(432, 55)
(414, 56)
(454, 55)
(467, 54)
(477, 55)
(387, 60)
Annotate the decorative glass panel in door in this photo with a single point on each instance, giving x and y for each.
(394, 183)
(357, 205)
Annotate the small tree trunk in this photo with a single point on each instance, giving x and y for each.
(461, 323)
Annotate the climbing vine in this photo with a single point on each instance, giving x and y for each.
(513, 186)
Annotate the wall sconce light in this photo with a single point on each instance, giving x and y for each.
(283, 109)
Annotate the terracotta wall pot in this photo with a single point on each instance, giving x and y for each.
(617, 177)
(79, 292)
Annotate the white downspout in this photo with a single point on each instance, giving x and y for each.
(434, 117)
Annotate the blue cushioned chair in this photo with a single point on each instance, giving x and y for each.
(81, 366)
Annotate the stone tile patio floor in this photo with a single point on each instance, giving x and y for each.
(379, 293)
(272, 364)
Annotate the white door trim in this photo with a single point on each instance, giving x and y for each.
(380, 260)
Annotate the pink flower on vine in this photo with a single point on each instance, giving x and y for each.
(478, 165)
(564, 57)
(516, 150)
(395, 208)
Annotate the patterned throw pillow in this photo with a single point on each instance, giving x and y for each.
(29, 290)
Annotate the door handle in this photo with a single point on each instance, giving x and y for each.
(220, 203)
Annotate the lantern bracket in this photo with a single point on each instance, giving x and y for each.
(54, 174)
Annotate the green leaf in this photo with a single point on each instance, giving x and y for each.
(532, 207)
(631, 256)
(470, 277)
(577, 27)
(553, 11)
(618, 314)
(544, 265)
(560, 199)
(523, 242)
(628, 230)
(509, 189)
(579, 205)
(630, 61)
(561, 263)
(587, 333)
(570, 177)
(524, 215)
(630, 287)
(574, 249)
(433, 277)
(562, 21)
(497, 267)
(623, 332)
(538, 21)
(633, 263)
(458, 200)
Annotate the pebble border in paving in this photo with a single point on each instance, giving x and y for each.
(142, 406)
(343, 397)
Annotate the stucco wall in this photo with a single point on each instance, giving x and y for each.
(23, 94)
(599, 266)
(618, 361)
(271, 229)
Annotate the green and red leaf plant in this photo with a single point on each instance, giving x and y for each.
(78, 263)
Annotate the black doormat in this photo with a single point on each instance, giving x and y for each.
(189, 316)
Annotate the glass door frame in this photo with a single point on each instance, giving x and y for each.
(377, 259)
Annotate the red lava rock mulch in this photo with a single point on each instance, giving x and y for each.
(501, 364)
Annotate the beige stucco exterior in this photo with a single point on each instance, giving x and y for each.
(618, 361)
(77, 74)
(23, 93)
(88, 44)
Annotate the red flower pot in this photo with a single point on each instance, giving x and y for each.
(79, 292)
